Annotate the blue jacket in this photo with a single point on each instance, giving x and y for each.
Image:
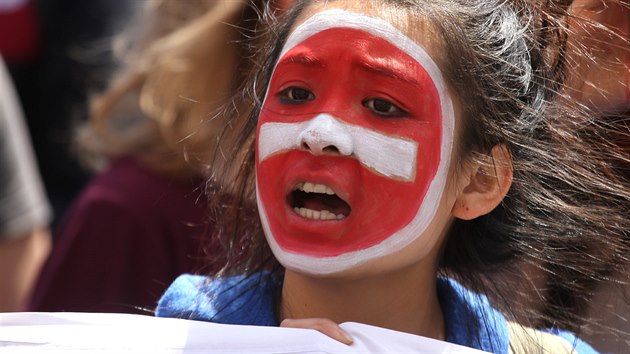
(470, 320)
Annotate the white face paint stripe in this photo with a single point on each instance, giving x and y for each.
(399, 240)
(389, 156)
(276, 137)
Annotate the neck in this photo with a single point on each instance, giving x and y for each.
(387, 300)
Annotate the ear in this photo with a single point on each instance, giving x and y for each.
(489, 181)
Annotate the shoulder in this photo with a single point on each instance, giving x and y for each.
(124, 177)
(122, 209)
(127, 184)
(529, 340)
(470, 319)
(246, 300)
(473, 322)
(108, 209)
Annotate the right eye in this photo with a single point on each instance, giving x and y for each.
(384, 108)
(296, 95)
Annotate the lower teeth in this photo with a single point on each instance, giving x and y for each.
(317, 215)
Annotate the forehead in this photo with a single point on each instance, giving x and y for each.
(319, 20)
(335, 47)
(415, 26)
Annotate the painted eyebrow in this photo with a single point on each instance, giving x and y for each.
(393, 69)
(303, 58)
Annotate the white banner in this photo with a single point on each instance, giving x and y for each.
(47, 333)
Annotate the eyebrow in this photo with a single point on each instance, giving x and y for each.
(303, 58)
(393, 69)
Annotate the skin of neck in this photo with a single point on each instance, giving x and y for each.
(403, 300)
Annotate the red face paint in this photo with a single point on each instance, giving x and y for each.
(350, 75)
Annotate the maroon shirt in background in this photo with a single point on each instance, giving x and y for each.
(128, 235)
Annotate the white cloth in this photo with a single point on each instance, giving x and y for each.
(47, 333)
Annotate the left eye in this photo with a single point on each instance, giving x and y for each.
(384, 108)
(296, 95)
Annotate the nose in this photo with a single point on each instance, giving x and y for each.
(326, 135)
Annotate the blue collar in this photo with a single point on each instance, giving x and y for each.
(470, 320)
(229, 300)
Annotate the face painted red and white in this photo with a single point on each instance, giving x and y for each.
(353, 143)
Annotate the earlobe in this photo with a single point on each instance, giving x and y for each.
(488, 183)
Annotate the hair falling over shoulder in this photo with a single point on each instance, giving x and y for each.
(567, 213)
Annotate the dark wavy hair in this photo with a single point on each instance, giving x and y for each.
(567, 210)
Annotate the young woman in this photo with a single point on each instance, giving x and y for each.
(399, 153)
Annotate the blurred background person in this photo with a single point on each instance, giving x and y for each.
(598, 59)
(57, 51)
(24, 210)
(141, 221)
(601, 81)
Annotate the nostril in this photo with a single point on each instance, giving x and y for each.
(331, 149)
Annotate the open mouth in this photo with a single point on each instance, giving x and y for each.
(317, 202)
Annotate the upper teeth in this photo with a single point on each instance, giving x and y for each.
(309, 187)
